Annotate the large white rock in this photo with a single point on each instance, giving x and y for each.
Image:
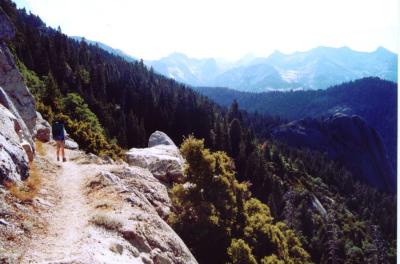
(143, 181)
(143, 204)
(163, 159)
(160, 138)
(13, 158)
(70, 143)
(42, 129)
(7, 103)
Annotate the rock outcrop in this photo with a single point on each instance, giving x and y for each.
(11, 79)
(24, 131)
(16, 98)
(346, 139)
(162, 158)
(13, 158)
(142, 203)
(42, 129)
(69, 143)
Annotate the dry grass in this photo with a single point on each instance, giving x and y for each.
(104, 204)
(40, 148)
(29, 188)
(106, 221)
(117, 248)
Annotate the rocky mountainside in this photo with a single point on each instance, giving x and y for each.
(373, 99)
(346, 139)
(314, 69)
(18, 116)
(89, 210)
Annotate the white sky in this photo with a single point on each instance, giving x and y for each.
(229, 29)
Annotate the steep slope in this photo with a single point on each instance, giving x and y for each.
(108, 48)
(18, 117)
(347, 140)
(373, 99)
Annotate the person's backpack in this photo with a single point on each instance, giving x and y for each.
(58, 130)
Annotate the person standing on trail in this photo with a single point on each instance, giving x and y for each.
(59, 137)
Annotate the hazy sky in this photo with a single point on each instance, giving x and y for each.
(228, 29)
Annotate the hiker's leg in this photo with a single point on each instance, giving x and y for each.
(58, 149)
(62, 149)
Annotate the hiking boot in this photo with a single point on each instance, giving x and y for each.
(64, 159)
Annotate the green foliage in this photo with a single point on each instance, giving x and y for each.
(84, 75)
(212, 203)
(38, 88)
(273, 259)
(75, 107)
(207, 205)
(89, 139)
(80, 121)
(240, 253)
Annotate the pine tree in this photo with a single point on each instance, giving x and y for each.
(235, 135)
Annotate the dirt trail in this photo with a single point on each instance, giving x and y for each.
(67, 218)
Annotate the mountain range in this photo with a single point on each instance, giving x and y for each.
(317, 68)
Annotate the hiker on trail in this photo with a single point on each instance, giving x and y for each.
(59, 137)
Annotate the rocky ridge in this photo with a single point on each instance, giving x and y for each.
(346, 139)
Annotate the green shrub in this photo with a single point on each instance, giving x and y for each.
(215, 214)
(240, 253)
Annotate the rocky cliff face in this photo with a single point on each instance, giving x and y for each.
(18, 107)
(346, 139)
(17, 113)
(11, 79)
(13, 159)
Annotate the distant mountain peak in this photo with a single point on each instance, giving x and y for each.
(276, 53)
(382, 50)
(317, 68)
(177, 55)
